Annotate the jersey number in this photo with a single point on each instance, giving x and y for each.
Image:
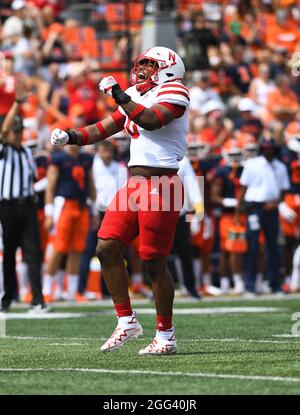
(295, 172)
(132, 129)
(78, 176)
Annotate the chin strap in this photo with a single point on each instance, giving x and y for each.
(144, 87)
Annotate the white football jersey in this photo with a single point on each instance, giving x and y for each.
(166, 146)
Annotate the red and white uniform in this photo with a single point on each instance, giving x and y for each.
(163, 147)
(166, 146)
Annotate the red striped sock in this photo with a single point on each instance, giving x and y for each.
(124, 309)
(164, 323)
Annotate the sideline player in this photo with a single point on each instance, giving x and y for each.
(154, 111)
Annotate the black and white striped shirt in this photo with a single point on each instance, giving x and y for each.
(17, 172)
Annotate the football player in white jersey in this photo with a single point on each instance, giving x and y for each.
(154, 111)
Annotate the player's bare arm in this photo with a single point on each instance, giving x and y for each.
(90, 134)
(216, 192)
(148, 118)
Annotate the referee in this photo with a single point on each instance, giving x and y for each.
(18, 215)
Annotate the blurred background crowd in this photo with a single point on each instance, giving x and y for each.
(242, 72)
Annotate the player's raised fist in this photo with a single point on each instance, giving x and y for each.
(59, 137)
(106, 85)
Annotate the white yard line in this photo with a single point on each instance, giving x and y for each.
(47, 338)
(67, 344)
(296, 336)
(143, 311)
(215, 310)
(43, 316)
(157, 373)
(225, 340)
(235, 340)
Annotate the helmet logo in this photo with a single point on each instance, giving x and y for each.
(172, 57)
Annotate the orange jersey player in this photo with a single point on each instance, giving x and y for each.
(70, 183)
(203, 237)
(289, 209)
(224, 192)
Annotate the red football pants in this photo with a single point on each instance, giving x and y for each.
(148, 207)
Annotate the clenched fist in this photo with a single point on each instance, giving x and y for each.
(106, 85)
(59, 137)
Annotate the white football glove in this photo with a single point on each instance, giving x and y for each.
(59, 137)
(106, 85)
(286, 212)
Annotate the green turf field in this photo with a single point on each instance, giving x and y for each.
(250, 351)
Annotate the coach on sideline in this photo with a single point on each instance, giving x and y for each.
(264, 181)
(18, 215)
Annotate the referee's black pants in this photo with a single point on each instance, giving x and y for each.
(183, 248)
(19, 223)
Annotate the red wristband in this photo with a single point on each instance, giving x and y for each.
(101, 130)
(85, 136)
(138, 109)
(119, 118)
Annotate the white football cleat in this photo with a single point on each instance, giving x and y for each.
(128, 328)
(164, 343)
(239, 288)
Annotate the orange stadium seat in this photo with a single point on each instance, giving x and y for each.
(82, 40)
(116, 17)
(136, 12)
(106, 53)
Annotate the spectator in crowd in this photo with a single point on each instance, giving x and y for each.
(217, 129)
(282, 102)
(246, 122)
(201, 93)
(196, 43)
(14, 25)
(259, 89)
(283, 33)
(55, 48)
(7, 87)
(26, 52)
(239, 71)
